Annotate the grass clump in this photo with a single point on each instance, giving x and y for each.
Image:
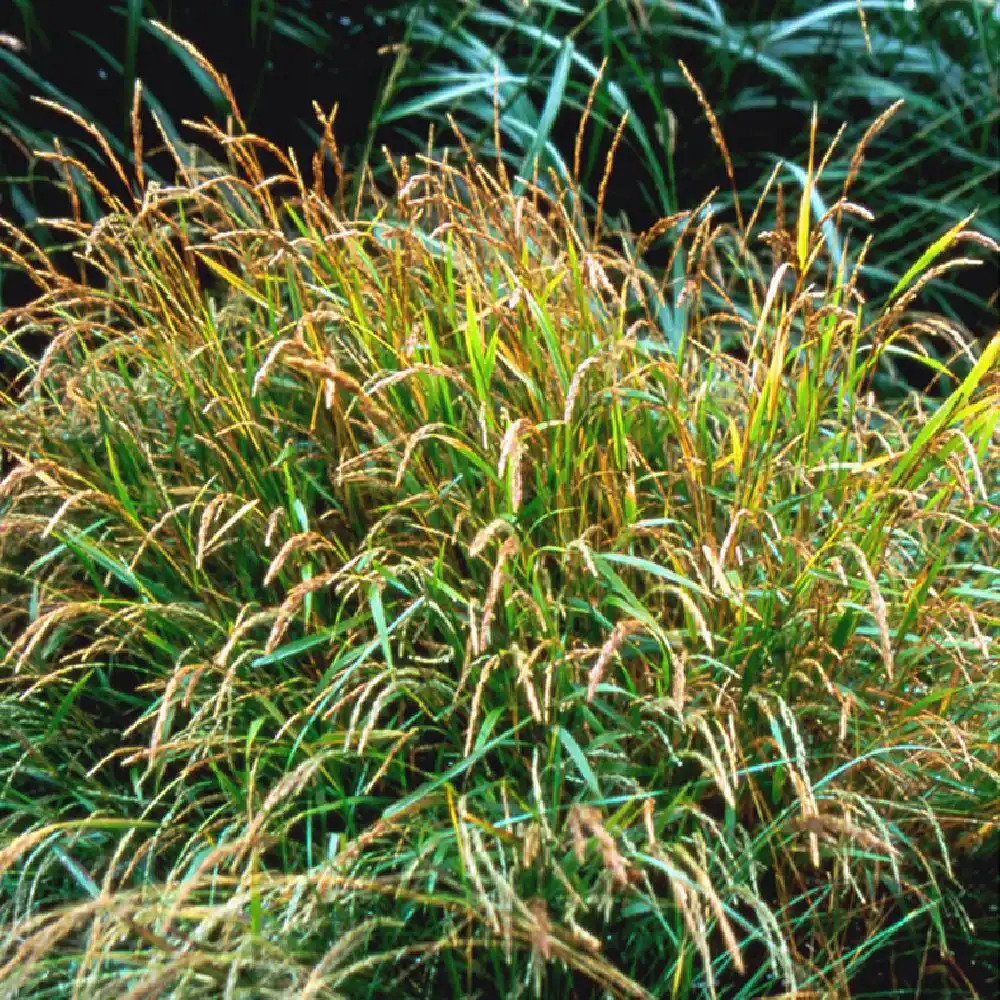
(418, 597)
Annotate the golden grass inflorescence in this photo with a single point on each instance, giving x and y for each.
(429, 594)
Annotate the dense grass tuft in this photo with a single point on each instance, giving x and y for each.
(424, 596)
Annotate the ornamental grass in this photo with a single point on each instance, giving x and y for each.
(417, 595)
